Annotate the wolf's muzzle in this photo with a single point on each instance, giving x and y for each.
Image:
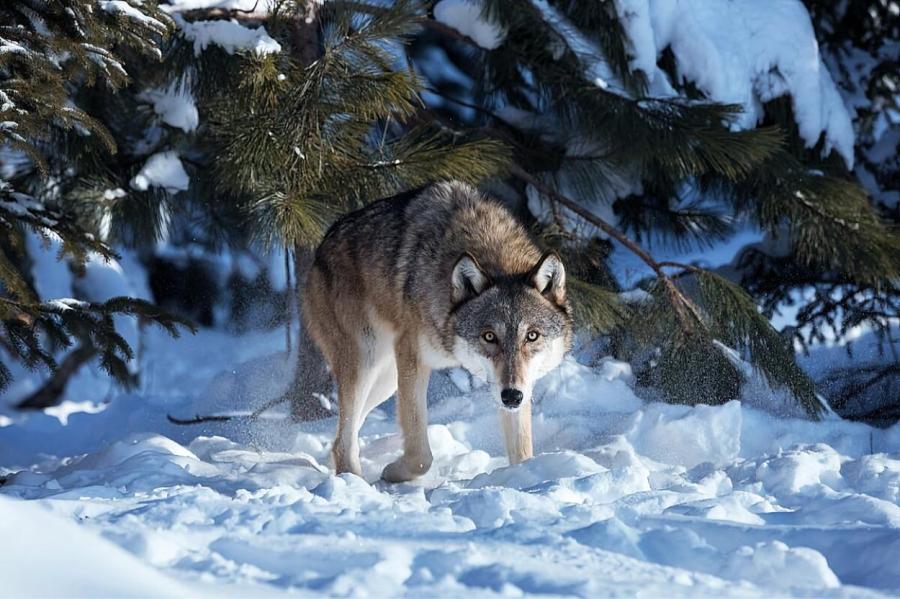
(512, 398)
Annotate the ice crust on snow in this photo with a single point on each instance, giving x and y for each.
(465, 17)
(231, 36)
(622, 496)
(744, 52)
(163, 169)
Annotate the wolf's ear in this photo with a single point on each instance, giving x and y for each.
(549, 277)
(467, 280)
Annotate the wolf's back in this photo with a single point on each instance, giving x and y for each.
(398, 252)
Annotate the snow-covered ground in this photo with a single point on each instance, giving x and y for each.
(622, 498)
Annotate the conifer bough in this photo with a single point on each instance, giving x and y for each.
(49, 51)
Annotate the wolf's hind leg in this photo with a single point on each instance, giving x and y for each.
(352, 392)
(412, 391)
(517, 433)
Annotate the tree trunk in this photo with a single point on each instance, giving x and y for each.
(311, 377)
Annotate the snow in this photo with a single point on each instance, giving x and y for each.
(124, 8)
(622, 497)
(228, 35)
(744, 52)
(67, 408)
(175, 106)
(163, 169)
(66, 303)
(54, 557)
(465, 17)
(260, 6)
(51, 276)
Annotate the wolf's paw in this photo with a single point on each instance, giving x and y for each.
(405, 469)
(344, 463)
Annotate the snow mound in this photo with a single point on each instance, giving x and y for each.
(621, 498)
(541, 468)
(688, 436)
(776, 565)
(47, 555)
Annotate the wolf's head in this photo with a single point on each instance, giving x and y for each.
(512, 330)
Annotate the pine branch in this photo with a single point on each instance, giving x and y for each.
(728, 314)
(26, 324)
(685, 309)
(736, 321)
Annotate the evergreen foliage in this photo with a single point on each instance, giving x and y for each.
(49, 52)
(557, 119)
(696, 178)
(853, 283)
(301, 143)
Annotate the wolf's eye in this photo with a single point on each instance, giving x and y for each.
(532, 336)
(489, 337)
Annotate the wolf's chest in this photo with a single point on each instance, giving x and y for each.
(433, 355)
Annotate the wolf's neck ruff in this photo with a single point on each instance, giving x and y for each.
(432, 279)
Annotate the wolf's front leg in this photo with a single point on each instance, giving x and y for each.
(412, 391)
(517, 432)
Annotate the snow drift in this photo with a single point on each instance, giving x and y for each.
(622, 496)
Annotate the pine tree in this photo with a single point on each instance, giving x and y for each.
(50, 53)
(859, 43)
(296, 141)
(538, 91)
(292, 139)
(558, 120)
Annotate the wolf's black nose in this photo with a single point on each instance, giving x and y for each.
(511, 397)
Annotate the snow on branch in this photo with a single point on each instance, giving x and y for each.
(175, 106)
(228, 35)
(597, 69)
(465, 17)
(132, 12)
(744, 52)
(164, 170)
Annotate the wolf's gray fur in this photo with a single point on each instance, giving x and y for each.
(431, 279)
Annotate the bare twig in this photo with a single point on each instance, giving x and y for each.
(226, 417)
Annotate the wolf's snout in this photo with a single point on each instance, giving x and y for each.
(512, 398)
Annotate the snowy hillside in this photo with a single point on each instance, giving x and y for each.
(622, 497)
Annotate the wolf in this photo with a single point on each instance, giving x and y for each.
(436, 278)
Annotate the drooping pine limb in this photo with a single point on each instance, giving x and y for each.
(685, 309)
(735, 323)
